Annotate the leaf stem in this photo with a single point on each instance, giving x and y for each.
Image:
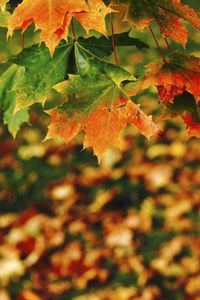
(157, 44)
(159, 25)
(23, 40)
(73, 30)
(168, 45)
(113, 39)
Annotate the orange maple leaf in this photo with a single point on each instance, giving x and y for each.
(102, 126)
(95, 17)
(102, 129)
(54, 17)
(174, 28)
(178, 74)
(139, 119)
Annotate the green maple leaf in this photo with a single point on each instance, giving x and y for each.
(96, 83)
(8, 81)
(96, 101)
(35, 72)
(29, 80)
(41, 73)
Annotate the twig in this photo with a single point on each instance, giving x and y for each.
(23, 40)
(157, 44)
(73, 30)
(113, 39)
(168, 45)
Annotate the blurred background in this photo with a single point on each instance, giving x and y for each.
(128, 229)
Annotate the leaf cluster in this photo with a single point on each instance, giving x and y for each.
(95, 95)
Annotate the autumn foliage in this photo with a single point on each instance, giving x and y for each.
(119, 79)
(71, 57)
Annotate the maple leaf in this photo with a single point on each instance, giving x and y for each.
(139, 119)
(172, 26)
(94, 18)
(180, 73)
(102, 126)
(97, 82)
(41, 73)
(96, 102)
(54, 17)
(102, 130)
(167, 14)
(29, 80)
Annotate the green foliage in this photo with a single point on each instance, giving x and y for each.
(102, 46)
(41, 73)
(98, 82)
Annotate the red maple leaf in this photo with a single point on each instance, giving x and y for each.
(193, 127)
(178, 74)
(167, 14)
